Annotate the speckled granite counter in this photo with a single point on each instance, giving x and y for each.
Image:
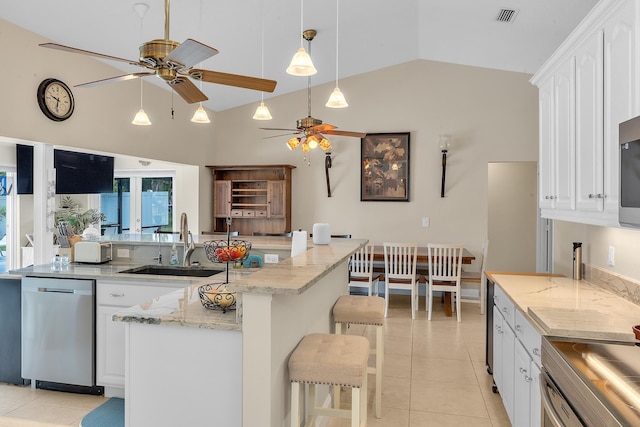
(565, 307)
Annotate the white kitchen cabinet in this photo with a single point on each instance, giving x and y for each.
(503, 352)
(592, 82)
(110, 336)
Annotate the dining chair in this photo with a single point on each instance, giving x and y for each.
(445, 268)
(361, 273)
(477, 277)
(400, 261)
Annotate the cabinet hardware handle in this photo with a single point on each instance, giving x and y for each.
(527, 378)
(498, 329)
(536, 351)
(116, 295)
(523, 371)
(518, 328)
(505, 310)
(495, 297)
(592, 196)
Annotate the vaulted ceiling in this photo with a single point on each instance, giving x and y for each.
(373, 34)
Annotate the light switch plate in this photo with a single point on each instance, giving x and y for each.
(611, 257)
(425, 222)
(122, 253)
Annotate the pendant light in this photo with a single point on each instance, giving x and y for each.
(336, 99)
(262, 112)
(301, 64)
(141, 118)
(200, 115)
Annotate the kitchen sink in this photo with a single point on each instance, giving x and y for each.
(173, 270)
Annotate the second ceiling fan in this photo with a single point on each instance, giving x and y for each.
(312, 129)
(173, 62)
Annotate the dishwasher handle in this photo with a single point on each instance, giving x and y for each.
(547, 407)
(65, 291)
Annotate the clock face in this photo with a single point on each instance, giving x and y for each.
(55, 99)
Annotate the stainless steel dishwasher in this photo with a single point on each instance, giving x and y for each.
(58, 334)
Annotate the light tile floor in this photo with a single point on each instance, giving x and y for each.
(434, 374)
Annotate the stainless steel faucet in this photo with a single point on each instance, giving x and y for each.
(159, 257)
(187, 239)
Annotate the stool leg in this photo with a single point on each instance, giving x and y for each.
(295, 404)
(336, 388)
(312, 405)
(379, 360)
(356, 406)
(364, 398)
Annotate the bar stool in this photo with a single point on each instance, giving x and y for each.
(336, 360)
(363, 310)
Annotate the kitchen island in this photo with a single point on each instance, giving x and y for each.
(186, 365)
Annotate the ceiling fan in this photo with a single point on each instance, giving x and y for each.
(173, 62)
(313, 129)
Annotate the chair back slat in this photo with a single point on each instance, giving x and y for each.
(361, 262)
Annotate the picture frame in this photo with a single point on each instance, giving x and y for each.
(384, 167)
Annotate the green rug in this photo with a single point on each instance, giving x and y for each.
(109, 414)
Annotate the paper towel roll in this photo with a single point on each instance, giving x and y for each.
(298, 242)
(321, 234)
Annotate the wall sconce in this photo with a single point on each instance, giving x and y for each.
(445, 144)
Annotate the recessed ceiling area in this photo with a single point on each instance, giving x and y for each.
(373, 34)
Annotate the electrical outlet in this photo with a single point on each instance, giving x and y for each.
(122, 253)
(611, 258)
(425, 222)
(270, 258)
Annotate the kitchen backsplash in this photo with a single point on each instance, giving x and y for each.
(624, 287)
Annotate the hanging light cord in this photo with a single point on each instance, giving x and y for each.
(337, 23)
(301, 22)
(141, 68)
(262, 50)
(309, 86)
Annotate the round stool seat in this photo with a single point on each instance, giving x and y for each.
(359, 310)
(330, 359)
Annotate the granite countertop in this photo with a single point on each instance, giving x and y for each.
(564, 307)
(291, 276)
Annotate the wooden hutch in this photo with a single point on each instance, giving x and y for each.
(258, 198)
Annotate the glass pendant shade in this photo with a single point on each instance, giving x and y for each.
(336, 99)
(301, 64)
(293, 143)
(325, 144)
(305, 147)
(262, 113)
(141, 119)
(313, 142)
(200, 116)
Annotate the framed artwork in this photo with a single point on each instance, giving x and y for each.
(384, 174)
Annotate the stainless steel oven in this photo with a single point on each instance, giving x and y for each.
(590, 383)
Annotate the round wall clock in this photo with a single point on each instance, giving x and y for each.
(55, 99)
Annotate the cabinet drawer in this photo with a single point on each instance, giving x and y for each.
(127, 295)
(249, 212)
(236, 212)
(529, 337)
(505, 305)
(261, 214)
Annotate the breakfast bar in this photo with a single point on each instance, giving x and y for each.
(187, 365)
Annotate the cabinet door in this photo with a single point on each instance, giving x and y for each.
(589, 120)
(277, 199)
(535, 405)
(110, 348)
(547, 135)
(508, 366)
(564, 166)
(522, 387)
(222, 199)
(620, 92)
(497, 347)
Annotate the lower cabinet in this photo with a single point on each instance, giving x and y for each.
(516, 351)
(110, 340)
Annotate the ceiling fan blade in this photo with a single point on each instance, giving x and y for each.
(346, 133)
(190, 53)
(278, 136)
(246, 82)
(292, 130)
(323, 127)
(187, 90)
(88, 52)
(114, 79)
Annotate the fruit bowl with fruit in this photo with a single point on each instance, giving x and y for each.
(215, 296)
(227, 251)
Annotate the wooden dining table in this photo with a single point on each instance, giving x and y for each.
(422, 268)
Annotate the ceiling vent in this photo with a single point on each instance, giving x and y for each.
(507, 15)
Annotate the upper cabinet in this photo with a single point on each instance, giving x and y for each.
(257, 198)
(586, 89)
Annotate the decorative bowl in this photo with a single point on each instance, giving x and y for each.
(224, 251)
(636, 330)
(216, 297)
